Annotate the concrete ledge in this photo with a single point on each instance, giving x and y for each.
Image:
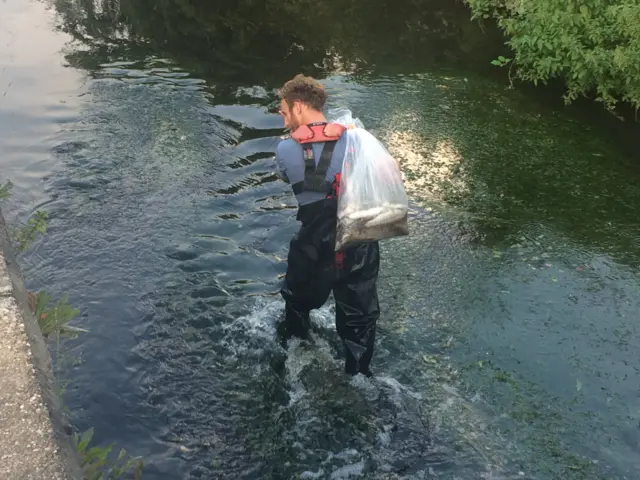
(35, 437)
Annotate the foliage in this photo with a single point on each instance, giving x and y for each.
(93, 461)
(54, 320)
(592, 45)
(501, 61)
(27, 234)
(24, 236)
(5, 190)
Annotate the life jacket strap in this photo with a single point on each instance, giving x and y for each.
(315, 177)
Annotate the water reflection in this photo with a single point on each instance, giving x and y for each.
(262, 43)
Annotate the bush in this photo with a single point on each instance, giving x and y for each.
(593, 45)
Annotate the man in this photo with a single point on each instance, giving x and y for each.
(311, 161)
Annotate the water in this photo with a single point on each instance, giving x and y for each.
(506, 346)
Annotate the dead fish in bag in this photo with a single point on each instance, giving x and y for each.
(388, 215)
(365, 214)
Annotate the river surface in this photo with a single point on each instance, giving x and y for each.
(509, 332)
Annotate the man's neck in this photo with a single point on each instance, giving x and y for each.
(314, 117)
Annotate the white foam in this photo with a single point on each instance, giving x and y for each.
(311, 475)
(348, 471)
(366, 386)
(348, 453)
(294, 365)
(300, 354)
(325, 316)
(262, 320)
(384, 437)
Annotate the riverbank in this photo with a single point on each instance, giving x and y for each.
(35, 436)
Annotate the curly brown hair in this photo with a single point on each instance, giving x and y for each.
(306, 90)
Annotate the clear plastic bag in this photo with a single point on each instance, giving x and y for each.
(373, 204)
(343, 116)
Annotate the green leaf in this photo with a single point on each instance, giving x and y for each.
(5, 190)
(85, 439)
(122, 454)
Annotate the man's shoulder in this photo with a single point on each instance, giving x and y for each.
(287, 147)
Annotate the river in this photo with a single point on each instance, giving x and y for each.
(147, 132)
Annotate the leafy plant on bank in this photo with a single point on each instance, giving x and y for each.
(5, 190)
(94, 460)
(54, 322)
(593, 45)
(24, 236)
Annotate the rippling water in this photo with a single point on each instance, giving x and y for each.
(508, 336)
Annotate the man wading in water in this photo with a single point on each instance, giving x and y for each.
(311, 161)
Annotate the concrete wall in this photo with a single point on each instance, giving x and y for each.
(35, 440)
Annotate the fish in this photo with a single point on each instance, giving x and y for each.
(352, 232)
(370, 213)
(389, 215)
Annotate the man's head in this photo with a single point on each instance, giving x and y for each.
(301, 101)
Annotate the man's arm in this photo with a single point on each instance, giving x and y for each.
(280, 169)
